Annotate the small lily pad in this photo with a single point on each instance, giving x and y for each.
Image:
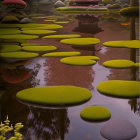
(62, 36)
(80, 41)
(118, 129)
(55, 95)
(18, 55)
(120, 88)
(39, 48)
(9, 31)
(134, 44)
(137, 64)
(119, 64)
(51, 20)
(61, 22)
(61, 54)
(9, 48)
(39, 32)
(95, 113)
(20, 37)
(80, 60)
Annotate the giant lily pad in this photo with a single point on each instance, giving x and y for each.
(62, 36)
(9, 48)
(81, 41)
(61, 54)
(34, 32)
(55, 95)
(119, 64)
(18, 55)
(118, 129)
(95, 113)
(9, 31)
(20, 37)
(80, 60)
(120, 88)
(134, 44)
(39, 48)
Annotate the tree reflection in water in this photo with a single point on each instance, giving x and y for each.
(46, 124)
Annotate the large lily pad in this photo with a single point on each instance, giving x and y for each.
(18, 55)
(9, 48)
(9, 31)
(80, 60)
(119, 64)
(134, 44)
(61, 54)
(62, 36)
(55, 95)
(20, 37)
(120, 88)
(34, 32)
(39, 48)
(80, 41)
(95, 113)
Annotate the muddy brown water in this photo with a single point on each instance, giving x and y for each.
(45, 123)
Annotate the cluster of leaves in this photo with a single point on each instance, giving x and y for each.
(5, 128)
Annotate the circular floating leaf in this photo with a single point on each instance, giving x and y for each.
(18, 55)
(80, 41)
(61, 54)
(9, 48)
(61, 22)
(80, 60)
(137, 64)
(118, 129)
(134, 44)
(38, 32)
(62, 36)
(95, 113)
(55, 95)
(119, 64)
(9, 31)
(29, 44)
(51, 20)
(39, 48)
(20, 37)
(120, 88)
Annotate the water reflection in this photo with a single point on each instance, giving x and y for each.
(46, 124)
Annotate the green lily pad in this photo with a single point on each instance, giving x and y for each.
(137, 64)
(39, 48)
(55, 95)
(9, 48)
(134, 44)
(62, 36)
(34, 32)
(80, 60)
(51, 20)
(119, 64)
(80, 41)
(9, 31)
(61, 54)
(20, 37)
(29, 44)
(18, 55)
(61, 22)
(95, 113)
(120, 88)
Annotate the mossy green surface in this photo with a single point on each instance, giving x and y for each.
(9, 48)
(134, 44)
(95, 113)
(80, 60)
(38, 32)
(120, 88)
(61, 54)
(80, 41)
(119, 64)
(9, 31)
(55, 95)
(18, 55)
(18, 37)
(130, 11)
(39, 48)
(62, 36)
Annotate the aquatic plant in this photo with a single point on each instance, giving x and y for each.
(119, 64)
(9, 48)
(38, 32)
(9, 31)
(10, 19)
(5, 128)
(95, 113)
(55, 95)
